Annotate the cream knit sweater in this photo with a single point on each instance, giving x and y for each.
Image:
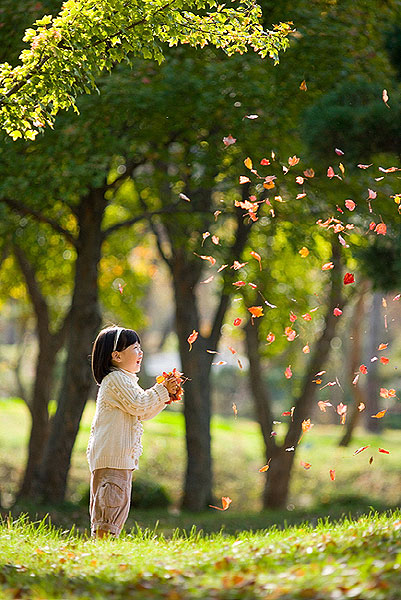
(121, 405)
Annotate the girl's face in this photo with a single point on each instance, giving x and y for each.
(129, 359)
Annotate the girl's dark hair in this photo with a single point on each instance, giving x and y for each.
(103, 348)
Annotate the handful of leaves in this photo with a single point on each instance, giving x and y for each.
(179, 380)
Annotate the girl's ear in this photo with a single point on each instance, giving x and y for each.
(115, 356)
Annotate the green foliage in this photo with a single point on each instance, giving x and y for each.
(67, 52)
(360, 558)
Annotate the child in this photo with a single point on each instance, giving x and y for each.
(115, 440)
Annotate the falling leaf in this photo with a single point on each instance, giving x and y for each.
(364, 166)
(235, 410)
(290, 334)
(253, 285)
(239, 363)
(192, 338)
(225, 501)
(293, 160)
(299, 180)
(248, 163)
(342, 168)
(309, 173)
(372, 194)
(251, 117)
(380, 414)
(215, 240)
(290, 449)
(208, 258)
(216, 214)
(304, 252)
(361, 406)
(208, 280)
(306, 349)
(237, 265)
(237, 322)
(264, 162)
(293, 317)
(385, 393)
(221, 268)
(258, 258)
(332, 474)
(342, 412)
(229, 139)
(232, 350)
(381, 229)
(305, 465)
(288, 372)
(303, 87)
(338, 151)
(270, 338)
(370, 460)
(244, 179)
(330, 172)
(350, 204)
(363, 369)
(382, 346)
(383, 451)
(384, 360)
(239, 283)
(348, 278)
(184, 197)
(307, 317)
(323, 405)
(337, 312)
(327, 266)
(385, 98)
(256, 311)
(220, 363)
(121, 288)
(360, 450)
(266, 467)
(306, 425)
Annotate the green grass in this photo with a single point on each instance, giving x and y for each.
(350, 559)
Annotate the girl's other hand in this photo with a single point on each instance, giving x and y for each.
(171, 384)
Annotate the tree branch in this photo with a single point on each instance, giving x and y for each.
(24, 210)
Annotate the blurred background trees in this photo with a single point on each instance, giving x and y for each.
(107, 218)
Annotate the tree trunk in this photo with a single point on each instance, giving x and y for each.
(372, 395)
(355, 359)
(50, 486)
(275, 494)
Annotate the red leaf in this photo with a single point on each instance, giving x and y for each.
(383, 451)
(330, 172)
(384, 360)
(293, 317)
(348, 278)
(381, 229)
(338, 151)
(239, 283)
(288, 372)
(337, 312)
(237, 322)
(307, 317)
(363, 369)
(332, 474)
(265, 161)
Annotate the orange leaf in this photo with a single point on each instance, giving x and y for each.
(323, 404)
(327, 266)
(306, 349)
(256, 311)
(258, 258)
(225, 501)
(303, 87)
(305, 465)
(382, 346)
(304, 252)
(384, 360)
(332, 474)
(307, 317)
(192, 338)
(266, 467)
(309, 173)
(381, 229)
(290, 333)
(248, 163)
(380, 414)
(293, 160)
(350, 204)
(306, 425)
(363, 369)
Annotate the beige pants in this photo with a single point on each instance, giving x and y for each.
(110, 498)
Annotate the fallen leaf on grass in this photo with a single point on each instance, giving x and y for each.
(225, 501)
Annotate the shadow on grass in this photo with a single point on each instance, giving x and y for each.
(166, 521)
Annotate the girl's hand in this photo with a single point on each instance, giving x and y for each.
(171, 385)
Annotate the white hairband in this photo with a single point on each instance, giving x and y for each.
(117, 337)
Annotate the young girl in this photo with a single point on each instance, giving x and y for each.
(115, 440)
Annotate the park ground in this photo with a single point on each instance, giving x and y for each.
(329, 542)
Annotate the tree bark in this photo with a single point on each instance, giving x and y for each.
(50, 485)
(372, 388)
(49, 345)
(355, 359)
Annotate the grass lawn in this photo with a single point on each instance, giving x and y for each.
(350, 559)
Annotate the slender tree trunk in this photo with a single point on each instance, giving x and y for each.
(355, 359)
(275, 494)
(50, 486)
(372, 395)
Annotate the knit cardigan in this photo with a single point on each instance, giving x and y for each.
(121, 405)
